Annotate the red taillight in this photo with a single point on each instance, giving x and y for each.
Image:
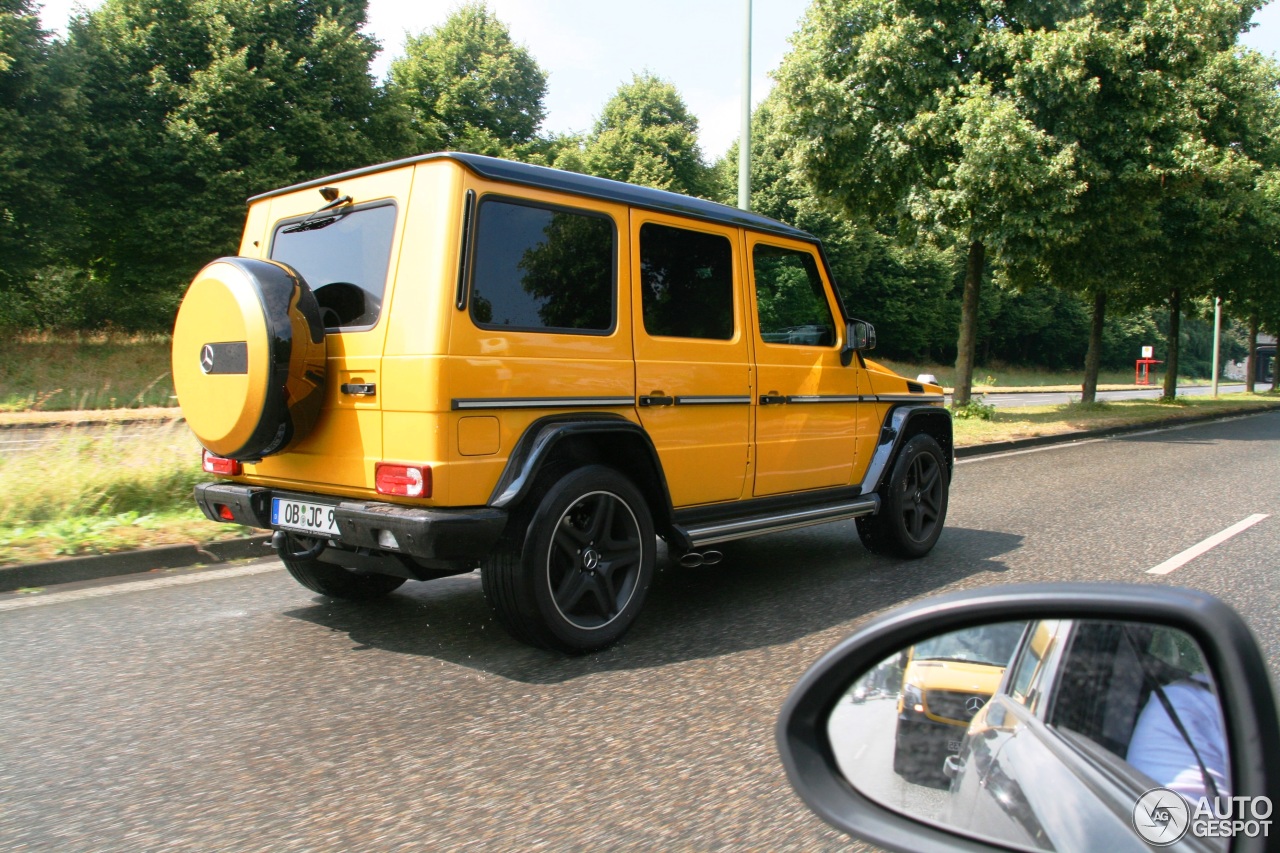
(217, 465)
(407, 481)
(224, 512)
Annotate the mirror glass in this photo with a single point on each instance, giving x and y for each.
(1044, 735)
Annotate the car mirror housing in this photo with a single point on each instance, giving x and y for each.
(859, 335)
(1080, 677)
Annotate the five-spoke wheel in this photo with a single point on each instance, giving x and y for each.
(573, 568)
(913, 502)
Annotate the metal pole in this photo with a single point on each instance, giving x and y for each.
(1217, 339)
(744, 142)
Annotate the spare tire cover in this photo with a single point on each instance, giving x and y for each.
(249, 358)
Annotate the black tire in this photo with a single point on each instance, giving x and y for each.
(573, 568)
(913, 502)
(337, 582)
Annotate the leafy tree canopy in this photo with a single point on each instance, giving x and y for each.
(466, 85)
(193, 105)
(645, 135)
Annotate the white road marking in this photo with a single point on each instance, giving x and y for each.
(1212, 542)
(40, 599)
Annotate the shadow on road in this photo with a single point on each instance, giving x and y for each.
(768, 591)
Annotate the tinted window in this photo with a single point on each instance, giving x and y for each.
(686, 283)
(790, 299)
(343, 256)
(542, 268)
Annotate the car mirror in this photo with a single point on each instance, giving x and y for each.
(859, 335)
(1047, 717)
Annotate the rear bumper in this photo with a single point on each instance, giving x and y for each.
(436, 535)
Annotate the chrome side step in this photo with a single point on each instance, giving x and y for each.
(724, 531)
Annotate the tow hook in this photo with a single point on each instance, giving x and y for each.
(293, 547)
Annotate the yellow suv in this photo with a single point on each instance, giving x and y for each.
(452, 361)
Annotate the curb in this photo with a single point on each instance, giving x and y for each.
(94, 567)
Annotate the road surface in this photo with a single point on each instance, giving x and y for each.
(232, 710)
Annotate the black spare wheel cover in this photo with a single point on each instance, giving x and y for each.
(249, 358)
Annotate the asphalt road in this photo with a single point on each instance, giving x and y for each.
(233, 710)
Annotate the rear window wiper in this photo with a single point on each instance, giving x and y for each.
(315, 221)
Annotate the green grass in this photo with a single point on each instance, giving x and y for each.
(102, 492)
(1030, 421)
(98, 371)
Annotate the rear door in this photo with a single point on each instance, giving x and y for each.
(806, 406)
(347, 255)
(693, 374)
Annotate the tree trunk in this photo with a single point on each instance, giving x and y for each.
(1171, 360)
(966, 344)
(1093, 356)
(1251, 364)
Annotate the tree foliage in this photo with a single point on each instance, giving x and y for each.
(38, 156)
(466, 85)
(193, 105)
(645, 135)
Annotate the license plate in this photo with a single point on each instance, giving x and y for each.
(300, 515)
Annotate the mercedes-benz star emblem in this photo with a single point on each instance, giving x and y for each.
(206, 358)
(591, 559)
(974, 704)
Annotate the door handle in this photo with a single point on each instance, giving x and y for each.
(366, 390)
(657, 398)
(771, 399)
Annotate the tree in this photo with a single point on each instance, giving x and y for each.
(645, 135)
(904, 291)
(903, 108)
(192, 106)
(466, 85)
(38, 156)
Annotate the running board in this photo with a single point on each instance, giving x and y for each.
(700, 535)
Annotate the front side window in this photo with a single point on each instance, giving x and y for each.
(686, 283)
(343, 256)
(542, 269)
(790, 298)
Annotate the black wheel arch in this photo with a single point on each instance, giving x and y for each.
(901, 424)
(584, 439)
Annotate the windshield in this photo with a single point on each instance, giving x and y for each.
(987, 644)
(344, 258)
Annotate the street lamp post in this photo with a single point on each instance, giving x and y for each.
(744, 143)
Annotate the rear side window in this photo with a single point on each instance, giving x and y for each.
(790, 299)
(344, 257)
(686, 283)
(542, 269)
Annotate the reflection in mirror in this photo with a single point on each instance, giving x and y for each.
(1042, 735)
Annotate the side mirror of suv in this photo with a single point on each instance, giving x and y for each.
(859, 335)
(1160, 720)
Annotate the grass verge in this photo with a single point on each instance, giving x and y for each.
(43, 372)
(1015, 422)
(121, 488)
(110, 490)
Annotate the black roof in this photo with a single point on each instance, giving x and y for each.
(603, 189)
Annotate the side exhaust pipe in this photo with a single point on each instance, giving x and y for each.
(693, 559)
